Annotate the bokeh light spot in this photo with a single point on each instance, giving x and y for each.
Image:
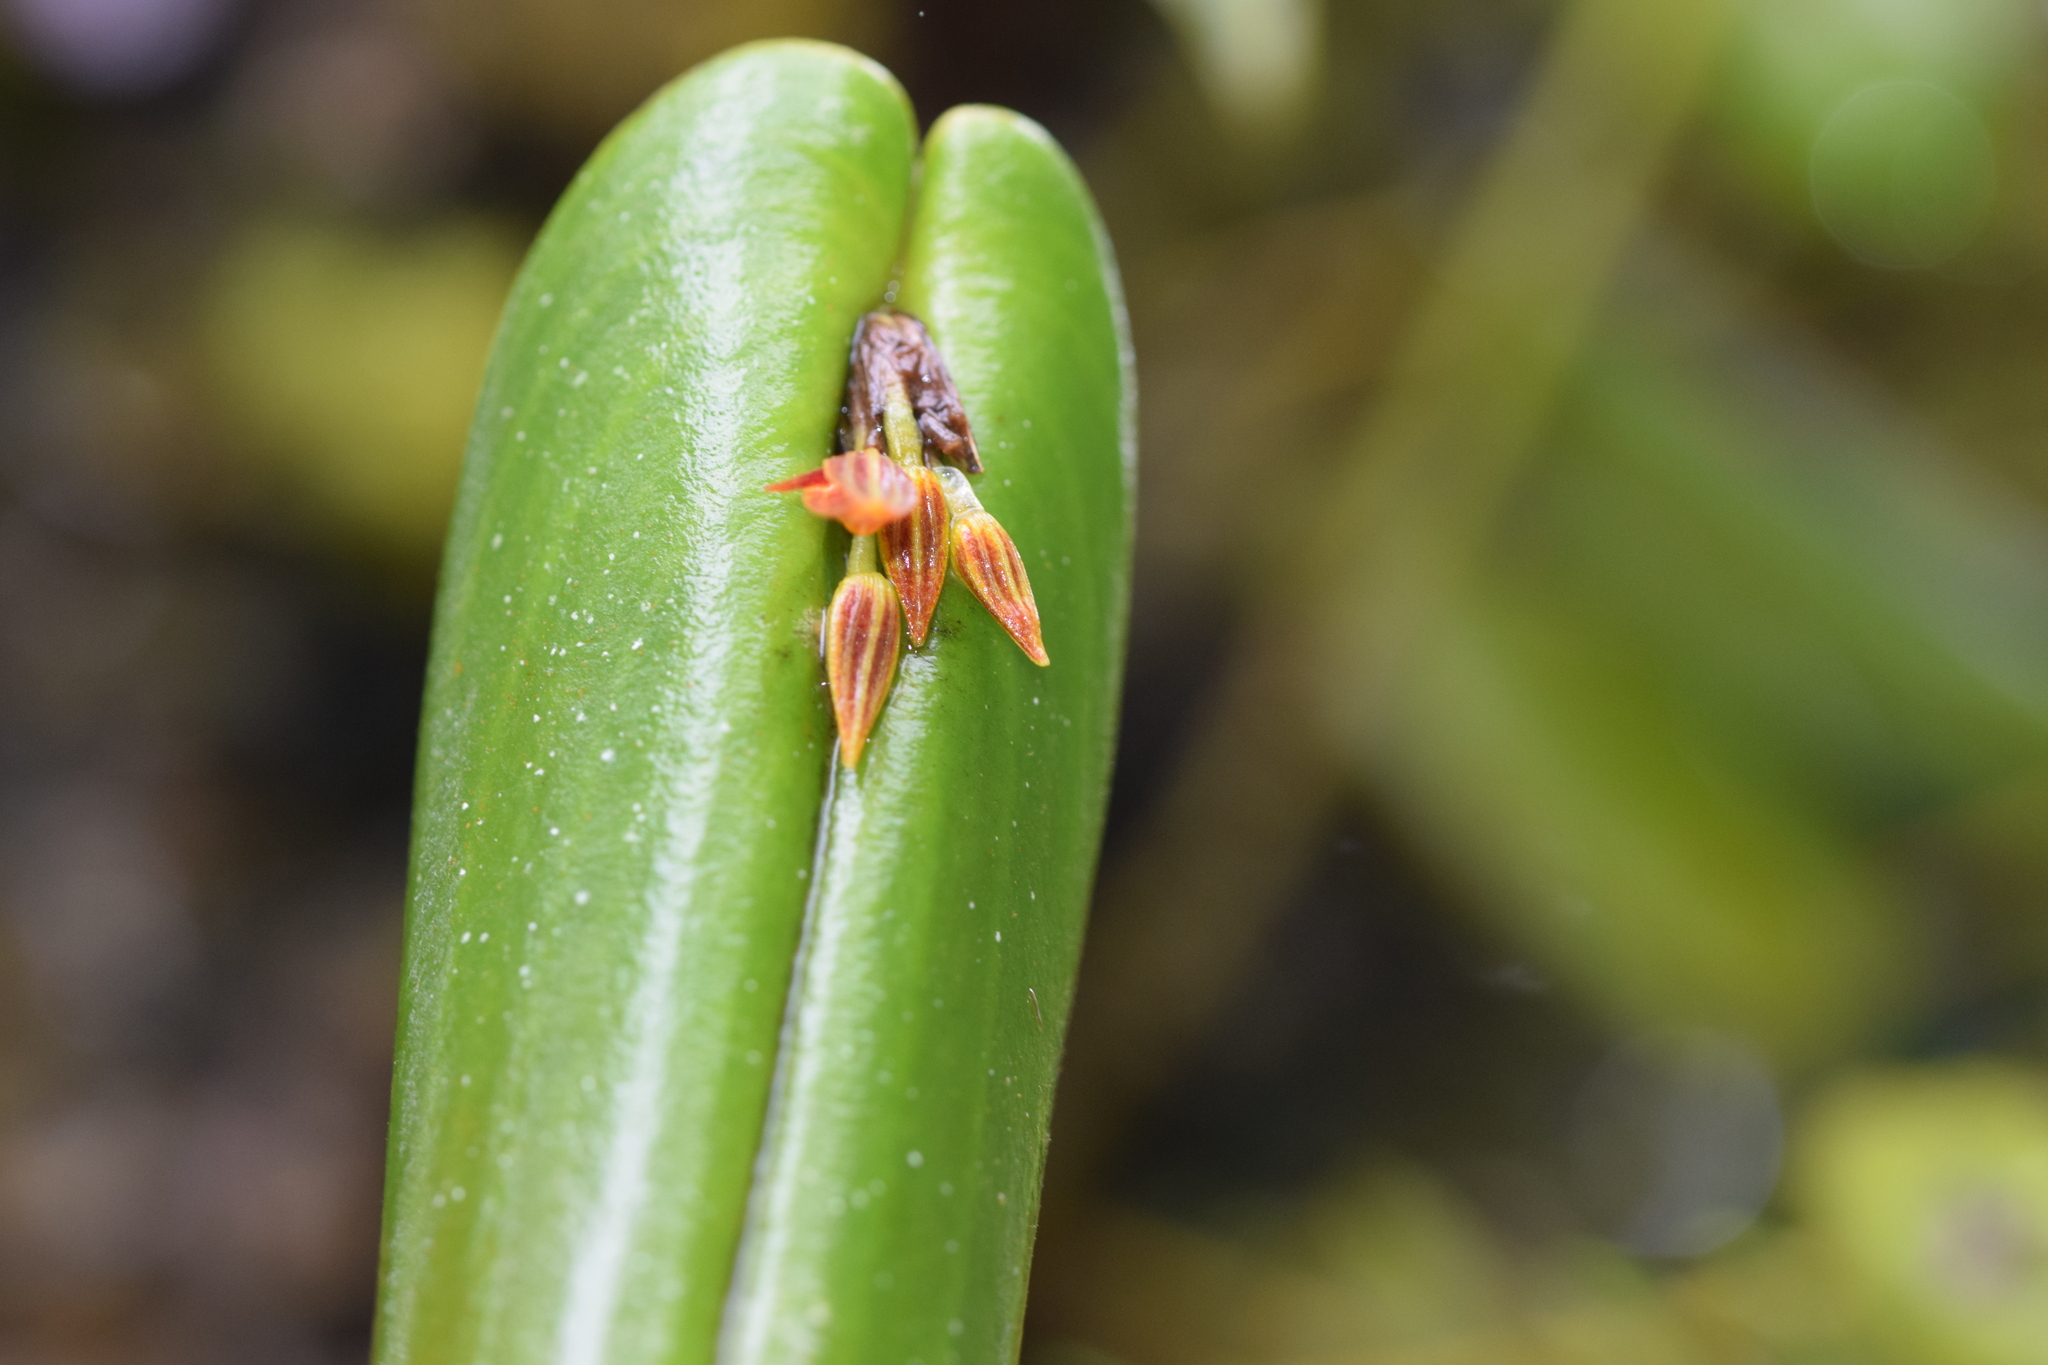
(118, 47)
(1677, 1143)
(1903, 175)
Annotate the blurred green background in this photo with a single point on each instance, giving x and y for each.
(1577, 887)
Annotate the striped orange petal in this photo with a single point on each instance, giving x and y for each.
(863, 491)
(988, 563)
(863, 633)
(914, 553)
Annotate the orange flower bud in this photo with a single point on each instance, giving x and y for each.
(914, 553)
(863, 491)
(988, 563)
(863, 633)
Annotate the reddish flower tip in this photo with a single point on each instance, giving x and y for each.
(988, 563)
(863, 633)
(810, 478)
(863, 491)
(914, 553)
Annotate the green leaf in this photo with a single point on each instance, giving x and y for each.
(902, 1165)
(623, 847)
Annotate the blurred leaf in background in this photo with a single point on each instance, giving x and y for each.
(1259, 61)
(347, 363)
(1877, 110)
(579, 69)
(1689, 658)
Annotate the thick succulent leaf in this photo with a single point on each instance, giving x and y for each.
(900, 1180)
(625, 737)
(713, 1049)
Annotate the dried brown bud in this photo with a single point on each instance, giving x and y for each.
(864, 491)
(893, 349)
(988, 563)
(863, 634)
(914, 553)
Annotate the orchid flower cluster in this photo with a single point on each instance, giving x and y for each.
(909, 515)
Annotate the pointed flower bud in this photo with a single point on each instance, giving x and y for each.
(864, 491)
(893, 349)
(988, 563)
(914, 553)
(863, 633)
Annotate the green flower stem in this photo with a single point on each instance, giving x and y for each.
(861, 556)
(899, 428)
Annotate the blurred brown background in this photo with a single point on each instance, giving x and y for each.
(1577, 885)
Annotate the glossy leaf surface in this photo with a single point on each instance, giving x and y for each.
(901, 1173)
(625, 738)
(625, 763)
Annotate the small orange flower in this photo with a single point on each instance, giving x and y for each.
(988, 563)
(914, 553)
(863, 633)
(863, 491)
